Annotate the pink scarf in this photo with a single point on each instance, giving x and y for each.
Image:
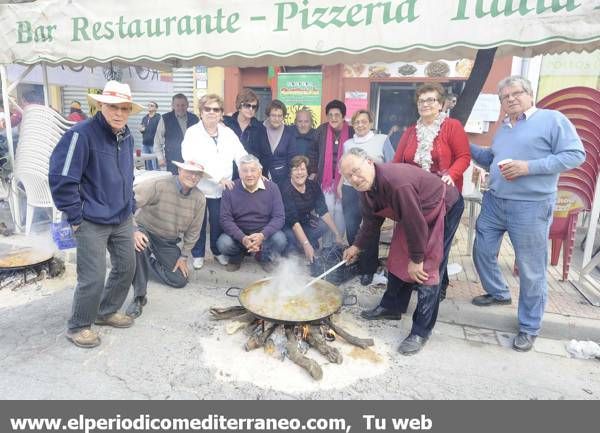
(330, 181)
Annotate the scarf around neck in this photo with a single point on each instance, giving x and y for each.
(426, 134)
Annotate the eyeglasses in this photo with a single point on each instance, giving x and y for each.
(428, 101)
(356, 171)
(122, 108)
(250, 106)
(211, 109)
(515, 95)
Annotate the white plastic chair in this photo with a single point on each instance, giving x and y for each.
(40, 131)
(38, 194)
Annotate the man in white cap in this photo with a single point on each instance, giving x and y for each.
(170, 208)
(91, 179)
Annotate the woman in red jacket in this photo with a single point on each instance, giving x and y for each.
(438, 144)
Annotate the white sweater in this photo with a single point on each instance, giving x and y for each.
(217, 158)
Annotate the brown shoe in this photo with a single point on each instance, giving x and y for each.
(116, 320)
(85, 338)
(232, 267)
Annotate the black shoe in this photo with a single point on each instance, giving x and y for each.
(487, 300)
(380, 313)
(366, 279)
(523, 342)
(412, 345)
(267, 266)
(137, 305)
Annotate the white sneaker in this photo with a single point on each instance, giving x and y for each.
(198, 262)
(224, 260)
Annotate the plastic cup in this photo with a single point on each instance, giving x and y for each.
(502, 163)
(138, 152)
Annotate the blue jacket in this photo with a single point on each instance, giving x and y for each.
(307, 145)
(283, 154)
(254, 139)
(91, 173)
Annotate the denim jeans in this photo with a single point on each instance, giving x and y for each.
(159, 258)
(93, 296)
(312, 233)
(528, 225)
(151, 164)
(212, 213)
(275, 245)
(368, 260)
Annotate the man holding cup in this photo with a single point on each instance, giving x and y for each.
(529, 151)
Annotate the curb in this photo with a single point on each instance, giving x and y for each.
(504, 319)
(454, 312)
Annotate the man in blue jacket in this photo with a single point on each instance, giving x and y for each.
(91, 179)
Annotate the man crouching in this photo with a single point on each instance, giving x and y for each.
(168, 208)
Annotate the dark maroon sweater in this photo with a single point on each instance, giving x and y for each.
(407, 193)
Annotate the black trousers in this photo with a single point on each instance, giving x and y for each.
(398, 292)
(158, 259)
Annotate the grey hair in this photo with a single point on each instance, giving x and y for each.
(357, 151)
(250, 159)
(515, 80)
(354, 151)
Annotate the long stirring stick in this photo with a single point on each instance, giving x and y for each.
(328, 271)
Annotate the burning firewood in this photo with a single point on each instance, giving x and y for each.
(259, 338)
(228, 312)
(363, 343)
(276, 343)
(310, 365)
(316, 340)
(290, 340)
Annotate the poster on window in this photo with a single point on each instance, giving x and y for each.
(300, 91)
(355, 101)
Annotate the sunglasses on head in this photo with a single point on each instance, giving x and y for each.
(213, 109)
(250, 106)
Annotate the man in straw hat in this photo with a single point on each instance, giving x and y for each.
(91, 179)
(170, 208)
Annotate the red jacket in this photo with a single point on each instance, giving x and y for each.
(450, 153)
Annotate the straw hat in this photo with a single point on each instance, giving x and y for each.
(115, 93)
(190, 165)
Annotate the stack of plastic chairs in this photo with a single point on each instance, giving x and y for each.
(40, 131)
(576, 188)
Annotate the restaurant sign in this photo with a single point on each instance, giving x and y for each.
(241, 32)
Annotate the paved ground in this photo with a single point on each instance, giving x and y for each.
(175, 351)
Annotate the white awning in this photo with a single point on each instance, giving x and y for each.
(258, 33)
